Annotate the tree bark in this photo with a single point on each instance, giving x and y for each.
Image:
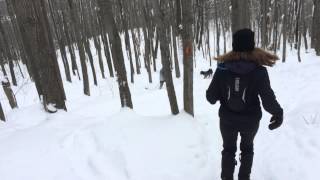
(136, 47)
(117, 53)
(2, 116)
(175, 52)
(9, 54)
(164, 33)
(284, 31)
(316, 26)
(57, 27)
(69, 42)
(240, 14)
(107, 54)
(187, 40)
(13, 76)
(264, 22)
(147, 50)
(89, 54)
(37, 39)
(9, 93)
(81, 48)
(97, 44)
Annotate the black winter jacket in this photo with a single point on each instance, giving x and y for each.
(258, 76)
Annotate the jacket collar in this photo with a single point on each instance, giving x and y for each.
(258, 56)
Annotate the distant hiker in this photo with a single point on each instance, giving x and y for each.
(239, 80)
(162, 78)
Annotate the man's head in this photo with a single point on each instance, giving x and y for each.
(243, 41)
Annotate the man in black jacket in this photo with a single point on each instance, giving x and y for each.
(239, 80)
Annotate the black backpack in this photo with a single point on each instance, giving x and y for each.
(237, 87)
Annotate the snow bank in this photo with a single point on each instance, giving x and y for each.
(122, 146)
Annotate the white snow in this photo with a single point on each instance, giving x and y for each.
(96, 140)
(52, 108)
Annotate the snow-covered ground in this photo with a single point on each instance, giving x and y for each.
(96, 140)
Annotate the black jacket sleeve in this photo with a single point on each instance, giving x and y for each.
(269, 101)
(212, 93)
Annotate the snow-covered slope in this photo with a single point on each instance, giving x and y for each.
(96, 140)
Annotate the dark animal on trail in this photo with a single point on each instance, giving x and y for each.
(206, 74)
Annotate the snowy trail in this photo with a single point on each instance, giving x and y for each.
(95, 140)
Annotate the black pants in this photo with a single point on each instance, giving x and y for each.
(229, 136)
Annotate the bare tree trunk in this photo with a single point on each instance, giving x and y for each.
(175, 52)
(81, 48)
(13, 76)
(304, 33)
(18, 64)
(105, 42)
(5, 42)
(107, 54)
(147, 59)
(37, 40)
(187, 40)
(164, 33)
(69, 42)
(3, 69)
(217, 28)
(284, 31)
(2, 116)
(224, 29)
(97, 44)
(9, 93)
(89, 54)
(316, 26)
(58, 32)
(275, 26)
(299, 29)
(136, 47)
(128, 49)
(240, 14)
(117, 54)
(178, 14)
(208, 43)
(298, 22)
(264, 22)
(155, 49)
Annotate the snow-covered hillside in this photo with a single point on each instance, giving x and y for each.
(96, 140)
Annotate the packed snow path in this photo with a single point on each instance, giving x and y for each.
(95, 140)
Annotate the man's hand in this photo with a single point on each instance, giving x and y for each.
(275, 122)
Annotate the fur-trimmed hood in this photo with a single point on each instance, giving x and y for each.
(258, 56)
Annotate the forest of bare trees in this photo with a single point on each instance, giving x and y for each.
(33, 31)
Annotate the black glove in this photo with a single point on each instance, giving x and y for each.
(275, 122)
